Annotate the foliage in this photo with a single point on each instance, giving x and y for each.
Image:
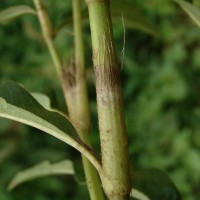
(161, 89)
(42, 169)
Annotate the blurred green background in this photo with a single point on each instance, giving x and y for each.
(161, 86)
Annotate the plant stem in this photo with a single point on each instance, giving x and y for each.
(80, 112)
(113, 135)
(73, 82)
(48, 32)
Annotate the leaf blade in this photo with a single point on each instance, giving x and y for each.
(191, 10)
(42, 99)
(18, 104)
(138, 195)
(42, 169)
(154, 184)
(14, 12)
(133, 18)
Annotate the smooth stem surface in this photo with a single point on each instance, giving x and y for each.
(76, 96)
(80, 113)
(113, 135)
(92, 178)
(47, 31)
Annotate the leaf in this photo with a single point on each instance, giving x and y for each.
(8, 150)
(155, 185)
(42, 169)
(14, 12)
(138, 195)
(191, 10)
(133, 18)
(18, 104)
(196, 3)
(45, 102)
(42, 99)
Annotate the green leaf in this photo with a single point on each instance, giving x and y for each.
(121, 10)
(18, 104)
(155, 185)
(196, 3)
(42, 99)
(14, 12)
(191, 10)
(132, 16)
(45, 102)
(42, 169)
(8, 150)
(136, 194)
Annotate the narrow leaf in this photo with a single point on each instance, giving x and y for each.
(138, 195)
(18, 104)
(14, 12)
(155, 185)
(132, 16)
(42, 99)
(42, 169)
(45, 102)
(8, 150)
(191, 10)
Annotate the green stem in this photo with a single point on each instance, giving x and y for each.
(75, 93)
(113, 135)
(47, 30)
(81, 112)
(92, 178)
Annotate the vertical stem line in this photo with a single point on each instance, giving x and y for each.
(48, 32)
(113, 135)
(75, 90)
(78, 34)
(81, 109)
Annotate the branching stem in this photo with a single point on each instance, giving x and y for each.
(75, 91)
(113, 135)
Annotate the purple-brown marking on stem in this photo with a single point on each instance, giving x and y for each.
(69, 75)
(107, 73)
